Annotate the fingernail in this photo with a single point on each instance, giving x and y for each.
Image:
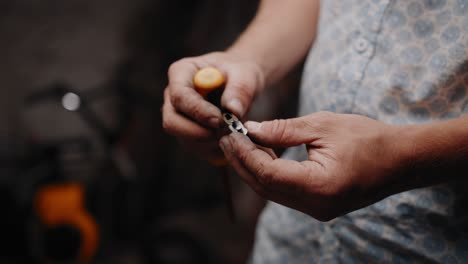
(236, 106)
(253, 126)
(214, 122)
(225, 145)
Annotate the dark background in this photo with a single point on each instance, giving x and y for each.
(153, 201)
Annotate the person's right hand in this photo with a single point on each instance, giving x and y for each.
(192, 119)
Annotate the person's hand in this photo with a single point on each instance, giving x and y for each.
(191, 118)
(352, 162)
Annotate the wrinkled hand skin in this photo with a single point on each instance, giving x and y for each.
(192, 119)
(353, 161)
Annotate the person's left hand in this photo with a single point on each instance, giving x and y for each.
(353, 161)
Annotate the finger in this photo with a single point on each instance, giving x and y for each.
(186, 100)
(181, 72)
(224, 144)
(295, 201)
(180, 126)
(284, 132)
(239, 91)
(279, 174)
(248, 178)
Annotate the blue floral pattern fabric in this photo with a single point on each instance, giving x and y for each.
(400, 62)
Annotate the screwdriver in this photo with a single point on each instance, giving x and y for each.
(209, 82)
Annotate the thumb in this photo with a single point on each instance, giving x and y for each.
(239, 92)
(282, 132)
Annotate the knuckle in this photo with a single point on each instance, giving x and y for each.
(167, 125)
(324, 117)
(244, 87)
(243, 155)
(189, 105)
(173, 68)
(321, 122)
(177, 98)
(193, 108)
(263, 176)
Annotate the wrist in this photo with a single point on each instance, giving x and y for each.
(400, 157)
(418, 155)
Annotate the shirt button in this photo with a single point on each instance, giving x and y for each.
(361, 45)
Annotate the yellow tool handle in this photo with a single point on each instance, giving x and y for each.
(207, 80)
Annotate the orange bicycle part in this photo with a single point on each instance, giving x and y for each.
(63, 204)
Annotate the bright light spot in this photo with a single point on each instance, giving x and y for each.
(71, 101)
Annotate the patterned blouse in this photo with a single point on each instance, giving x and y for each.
(400, 62)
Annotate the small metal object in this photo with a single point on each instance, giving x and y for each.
(71, 101)
(234, 124)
